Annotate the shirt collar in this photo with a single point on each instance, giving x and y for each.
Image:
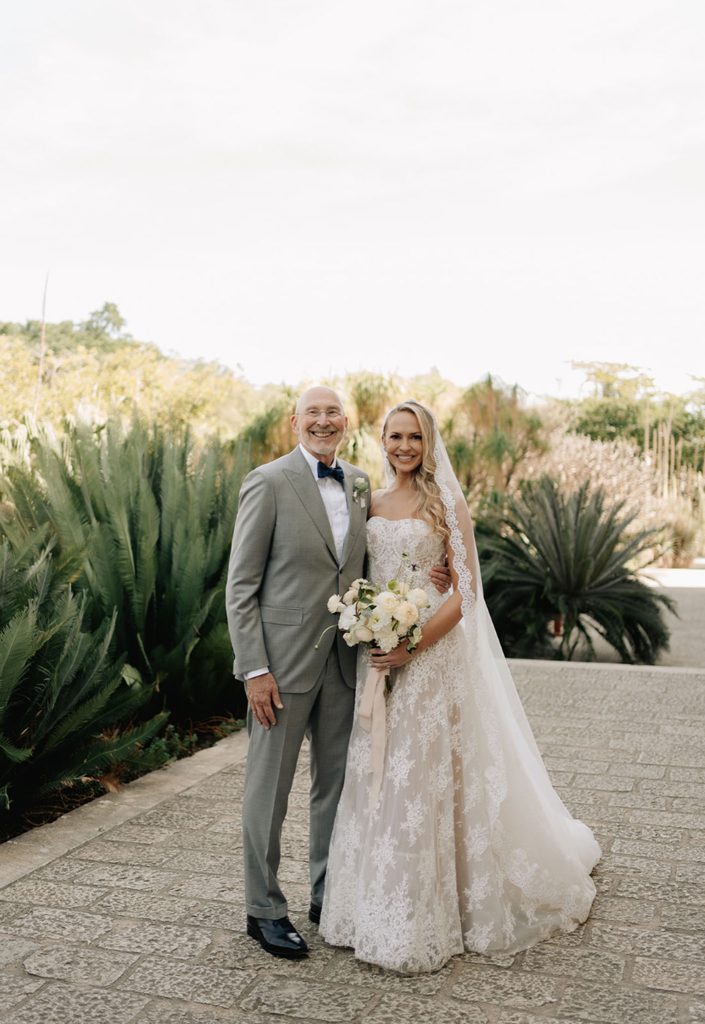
(313, 461)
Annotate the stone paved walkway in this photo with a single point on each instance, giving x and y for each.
(131, 908)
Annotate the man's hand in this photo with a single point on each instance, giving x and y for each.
(263, 697)
(441, 578)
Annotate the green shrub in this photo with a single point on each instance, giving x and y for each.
(60, 689)
(149, 515)
(557, 567)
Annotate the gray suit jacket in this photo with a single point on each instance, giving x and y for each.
(283, 568)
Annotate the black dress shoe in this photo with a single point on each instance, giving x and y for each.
(314, 913)
(279, 937)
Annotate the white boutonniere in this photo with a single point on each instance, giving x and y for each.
(361, 489)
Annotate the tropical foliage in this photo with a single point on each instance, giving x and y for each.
(62, 691)
(148, 515)
(560, 568)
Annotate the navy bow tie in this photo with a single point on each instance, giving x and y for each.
(334, 471)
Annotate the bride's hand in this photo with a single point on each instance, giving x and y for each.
(441, 578)
(393, 659)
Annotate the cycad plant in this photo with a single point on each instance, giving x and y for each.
(60, 688)
(150, 516)
(557, 568)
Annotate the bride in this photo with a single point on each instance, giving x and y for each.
(448, 835)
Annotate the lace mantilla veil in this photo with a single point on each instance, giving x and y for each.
(542, 855)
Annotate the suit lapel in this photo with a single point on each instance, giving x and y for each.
(358, 515)
(301, 479)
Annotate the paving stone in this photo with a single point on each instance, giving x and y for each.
(57, 871)
(14, 988)
(165, 939)
(689, 872)
(211, 887)
(123, 876)
(639, 800)
(52, 894)
(643, 866)
(650, 833)
(671, 946)
(617, 1005)
(220, 785)
(207, 862)
(129, 903)
(638, 771)
(11, 911)
(212, 914)
(506, 988)
(623, 910)
(309, 1001)
(685, 774)
(684, 917)
(63, 1004)
(670, 974)
(149, 835)
(163, 1013)
(120, 853)
(240, 952)
(13, 948)
(668, 891)
(696, 1013)
(78, 964)
(686, 790)
(176, 820)
(642, 848)
(393, 1008)
(581, 765)
(608, 783)
(51, 923)
(347, 970)
(219, 842)
(581, 962)
(198, 983)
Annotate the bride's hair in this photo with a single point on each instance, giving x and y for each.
(430, 503)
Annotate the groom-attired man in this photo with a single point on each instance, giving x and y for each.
(299, 537)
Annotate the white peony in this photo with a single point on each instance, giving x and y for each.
(348, 618)
(362, 634)
(335, 604)
(418, 597)
(387, 640)
(387, 602)
(406, 615)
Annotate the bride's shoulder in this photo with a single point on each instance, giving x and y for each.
(377, 500)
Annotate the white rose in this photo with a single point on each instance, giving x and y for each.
(418, 597)
(378, 619)
(335, 604)
(387, 602)
(387, 640)
(348, 618)
(349, 597)
(363, 634)
(406, 614)
(349, 640)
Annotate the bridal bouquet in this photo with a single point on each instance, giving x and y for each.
(384, 616)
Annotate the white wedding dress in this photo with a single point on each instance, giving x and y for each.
(468, 846)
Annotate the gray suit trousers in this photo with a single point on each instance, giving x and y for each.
(324, 714)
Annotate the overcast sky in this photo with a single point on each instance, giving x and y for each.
(303, 187)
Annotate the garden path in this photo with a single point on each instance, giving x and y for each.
(130, 909)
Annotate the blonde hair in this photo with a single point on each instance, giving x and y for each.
(430, 503)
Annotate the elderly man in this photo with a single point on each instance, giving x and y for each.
(299, 537)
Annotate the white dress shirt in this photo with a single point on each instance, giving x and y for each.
(336, 505)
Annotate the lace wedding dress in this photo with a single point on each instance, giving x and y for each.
(468, 846)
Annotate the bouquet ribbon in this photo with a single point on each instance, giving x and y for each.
(372, 718)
